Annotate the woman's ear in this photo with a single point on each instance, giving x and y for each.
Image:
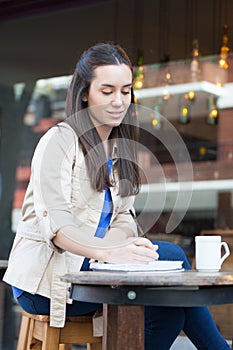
(84, 98)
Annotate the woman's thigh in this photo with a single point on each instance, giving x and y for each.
(37, 304)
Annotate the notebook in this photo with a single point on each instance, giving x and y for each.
(155, 266)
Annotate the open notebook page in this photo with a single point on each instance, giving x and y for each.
(158, 265)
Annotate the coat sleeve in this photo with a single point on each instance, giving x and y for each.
(52, 180)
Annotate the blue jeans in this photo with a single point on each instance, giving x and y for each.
(162, 324)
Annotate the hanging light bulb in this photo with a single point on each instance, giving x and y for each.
(156, 122)
(223, 63)
(191, 95)
(167, 81)
(184, 115)
(195, 66)
(225, 49)
(139, 75)
(184, 109)
(202, 151)
(212, 118)
(156, 115)
(166, 77)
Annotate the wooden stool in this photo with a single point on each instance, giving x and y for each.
(36, 333)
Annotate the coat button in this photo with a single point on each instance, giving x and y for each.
(45, 213)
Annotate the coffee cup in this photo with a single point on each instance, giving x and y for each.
(208, 253)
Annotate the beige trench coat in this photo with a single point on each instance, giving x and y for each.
(59, 195)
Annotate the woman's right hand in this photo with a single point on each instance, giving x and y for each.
(136, 251)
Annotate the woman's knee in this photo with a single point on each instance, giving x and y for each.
(171, 251)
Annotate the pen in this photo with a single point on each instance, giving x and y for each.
(140, 230)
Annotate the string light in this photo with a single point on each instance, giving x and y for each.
(188, 98)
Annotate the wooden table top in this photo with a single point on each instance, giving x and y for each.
(184, 278)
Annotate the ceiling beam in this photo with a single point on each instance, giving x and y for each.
(10, 9)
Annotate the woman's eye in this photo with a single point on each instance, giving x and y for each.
(127, 92)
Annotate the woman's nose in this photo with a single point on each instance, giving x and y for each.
(117, 100)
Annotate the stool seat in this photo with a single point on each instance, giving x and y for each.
(36, 333)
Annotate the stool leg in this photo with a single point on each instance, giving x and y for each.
(23, 333)
(32, 343)
(65, 347)
(51, 341)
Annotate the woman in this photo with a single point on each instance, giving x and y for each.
(82, 186)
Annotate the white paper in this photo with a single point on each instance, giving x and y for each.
(155, 266)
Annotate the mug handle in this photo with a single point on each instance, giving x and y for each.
(227, 251)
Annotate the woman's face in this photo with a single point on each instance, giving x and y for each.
(109, 97)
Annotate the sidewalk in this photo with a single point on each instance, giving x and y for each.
(181, 343)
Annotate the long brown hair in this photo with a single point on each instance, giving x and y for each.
(124, 136)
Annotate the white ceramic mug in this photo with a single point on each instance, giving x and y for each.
(208, 253)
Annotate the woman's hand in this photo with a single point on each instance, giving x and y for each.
(136, 251)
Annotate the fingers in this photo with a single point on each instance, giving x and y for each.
(145, 251)
(137, 251)
(146, 242)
